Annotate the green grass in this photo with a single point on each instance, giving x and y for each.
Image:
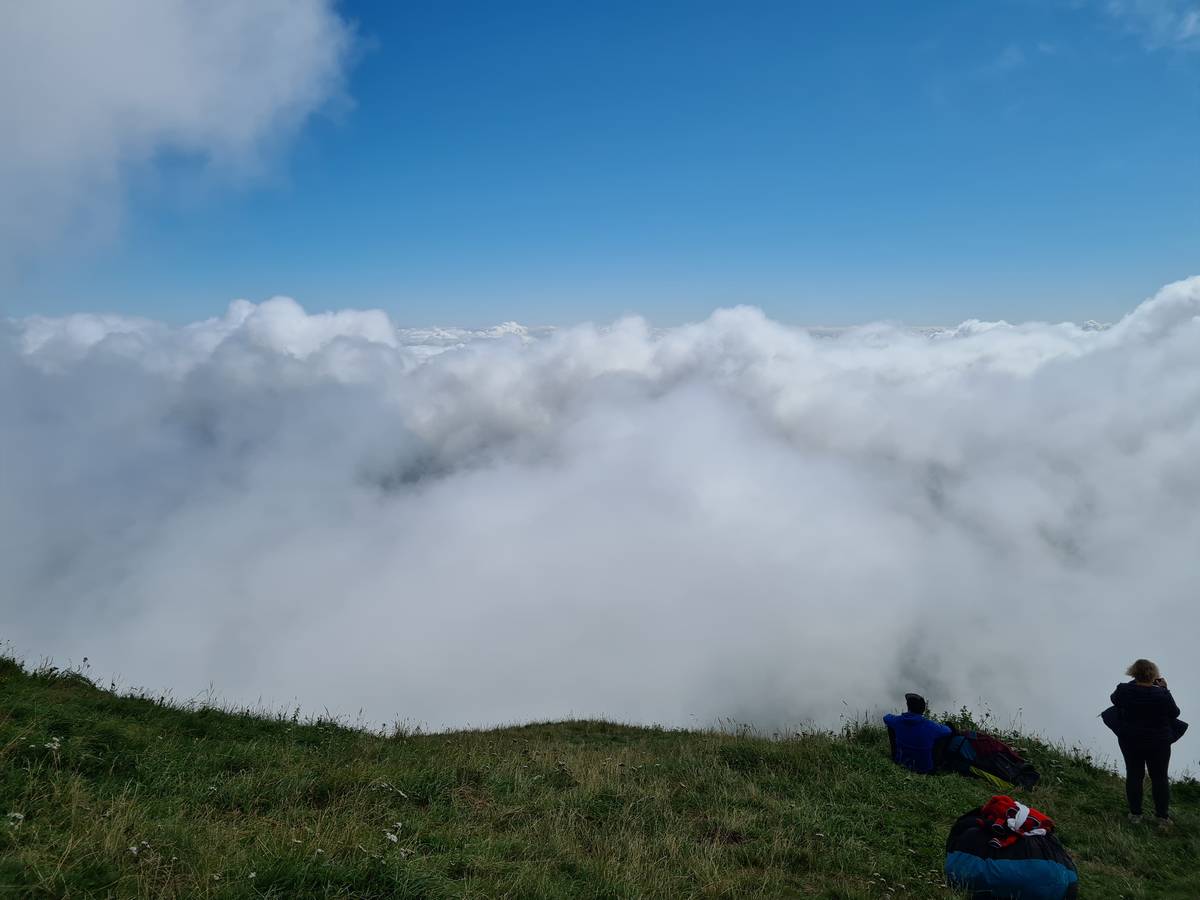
(137, 798)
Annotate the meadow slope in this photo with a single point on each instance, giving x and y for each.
(127, 796)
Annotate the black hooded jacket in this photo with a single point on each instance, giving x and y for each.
(1147, 712)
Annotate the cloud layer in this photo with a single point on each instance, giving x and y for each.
(730, 518)
(89, 91)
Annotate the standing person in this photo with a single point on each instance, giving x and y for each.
(1147, 711)
(915, 740)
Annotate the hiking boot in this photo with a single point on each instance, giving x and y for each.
(1135, 818)
(1164, 822)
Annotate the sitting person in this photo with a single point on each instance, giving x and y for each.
(916, 741)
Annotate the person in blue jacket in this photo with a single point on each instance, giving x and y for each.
(916, 740)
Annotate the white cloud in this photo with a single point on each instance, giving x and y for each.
(730, 518)
(1012, 57)
(1160, 23)
(89, 91)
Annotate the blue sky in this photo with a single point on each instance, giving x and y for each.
(558, 162)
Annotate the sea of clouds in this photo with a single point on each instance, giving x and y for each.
(728, 519)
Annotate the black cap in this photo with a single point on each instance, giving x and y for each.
(916, 703)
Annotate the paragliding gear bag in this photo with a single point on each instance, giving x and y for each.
(984, 756)
(1031, 867)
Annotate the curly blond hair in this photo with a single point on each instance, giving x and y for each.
(1142, 670)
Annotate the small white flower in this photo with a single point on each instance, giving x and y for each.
(134, 849)
(319, 850)
(15, 818)
(53, 744)
(391, 837)
(253, 874)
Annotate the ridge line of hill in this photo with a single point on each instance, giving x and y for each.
(105, 795)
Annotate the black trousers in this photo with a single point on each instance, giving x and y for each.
(1140, 756)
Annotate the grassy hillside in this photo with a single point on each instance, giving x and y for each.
(126, 797)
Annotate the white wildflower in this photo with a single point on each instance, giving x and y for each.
(53, 744)
(15, 818)
(134, 849)
(253, 874)
(391, 837)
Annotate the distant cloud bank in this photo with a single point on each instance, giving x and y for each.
(91, 91)
(731, 518)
